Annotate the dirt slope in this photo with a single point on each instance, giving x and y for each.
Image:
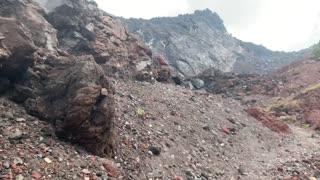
(192, 130)
(299, 75)
(299, 92)
(201, 136)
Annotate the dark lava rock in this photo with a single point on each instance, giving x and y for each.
(155, 150)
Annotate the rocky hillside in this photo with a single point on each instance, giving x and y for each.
(196, 42)
(297, 100)
(290, 94)
(71, 108)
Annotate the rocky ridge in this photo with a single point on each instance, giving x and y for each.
(196, 42)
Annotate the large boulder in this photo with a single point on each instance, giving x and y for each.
(70, 92)
(74, 94)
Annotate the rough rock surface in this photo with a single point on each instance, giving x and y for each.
(238, 85)
(16, 47)
(31, 18)
(30, 149)
(74, 94)
(196, 42)
(54, 58)
(83, 29)
(162, 72)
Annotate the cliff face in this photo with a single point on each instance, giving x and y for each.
(56, 59)
(196, 42)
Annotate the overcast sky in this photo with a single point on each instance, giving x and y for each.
(277, 24)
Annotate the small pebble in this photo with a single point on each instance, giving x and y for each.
(19, 177)
(18, 161)
(85, 171)
(155, 150)
(6, 165)
(47, 160)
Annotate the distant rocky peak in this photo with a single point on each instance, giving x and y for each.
(204, 12)
(207, 13)
(207, 17)
(199, 41)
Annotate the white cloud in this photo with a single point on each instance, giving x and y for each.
(277, 24)
(238, 13)
(284, 25)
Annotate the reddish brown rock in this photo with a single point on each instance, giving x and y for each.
(77, 98)
(16, 47)
(161, 69)
(269, 121)
(112, 171)
(35, 175)
(177, 178)
(86, 30)
(66, 83)
(226, 130)
(161, 60)
(21, 35)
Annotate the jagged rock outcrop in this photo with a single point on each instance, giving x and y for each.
(83, 29)
(55, 58)
(196, 42)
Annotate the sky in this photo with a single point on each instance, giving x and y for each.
(282, 25)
